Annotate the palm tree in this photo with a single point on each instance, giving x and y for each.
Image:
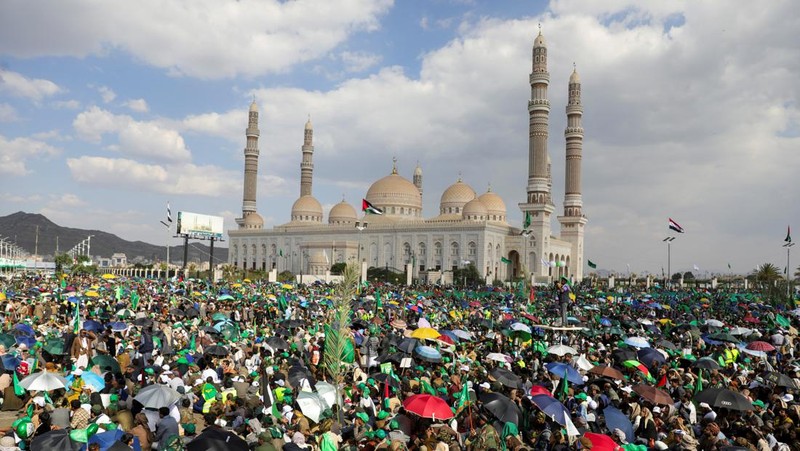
(767, 274)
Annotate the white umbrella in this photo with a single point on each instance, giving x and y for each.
(561, 350)
(637, 342)
(156, 396)
(583, 363)
(714, 323)
(327, 391)
(462, 334)
(498, 357)
(520, 327)
(740, 331)
(312, 405)
(43, 381)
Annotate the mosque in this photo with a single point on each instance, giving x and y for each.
(470, 229)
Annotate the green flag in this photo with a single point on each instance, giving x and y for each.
(209, 391)
(426, 388)
(18, 390)
(134, 300)
(63, 282)
(378, 301)
(563, 387)
(192, 343)
(118, 292)
(463, 397)
(698, 385)
(505, 260)
(782, 321)
(76, 321)
(527, 222)
(280, 252)
(592, 264)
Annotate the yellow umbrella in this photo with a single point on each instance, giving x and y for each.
(91, 294)
(271, 297)
(236, 285)
(425, 333)
(2, 296)
(109, 276)
(287, 286)
(246, 281)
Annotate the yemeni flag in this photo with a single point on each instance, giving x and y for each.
(788, 238)
(592, 264)
(675, 226)
(663, 381)
(370, 209)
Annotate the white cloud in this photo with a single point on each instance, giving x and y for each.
(67, 200)
(359, 61)
(66, 104)
(15, 153)
(212, 39)
(19, 85)
(137, 105)
(24, 199)
(135, 138)
(124, 174)
(7, 113)
(107, 94)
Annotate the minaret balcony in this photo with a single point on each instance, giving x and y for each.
(573, 131)
(539, 77)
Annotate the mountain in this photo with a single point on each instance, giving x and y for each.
(21, 226)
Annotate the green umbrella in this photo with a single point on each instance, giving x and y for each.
(219, 317)
(7, 340)
(54, 346)
(106, 362)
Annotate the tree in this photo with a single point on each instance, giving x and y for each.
(382, 274)
(767, 274)
(468, 276)
(337, 269)
(231, 273)
(676, 277)
(688, 275)
(285, 276)
(338, 337)
(62, 261)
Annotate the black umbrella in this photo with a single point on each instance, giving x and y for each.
(623, 354)
(143, 322)
(724, 336)
(706, 363)
(359, 324)
(278, 343)
(214, 439)
(501, 407)
(292, 323)
(177, 312)
(384, 378)
(192, 313)
(724, 398)
(395, 357)
(54, 440)
(648, 356)
(780, 380)
(298, 373)
(216, 351)
(408, 345)
(666, 344)
(506, 378)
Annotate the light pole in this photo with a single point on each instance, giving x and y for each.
(525, 235)
(89, 248)
(788, 247)
(169, 232)
(669, 241)
(360, 226)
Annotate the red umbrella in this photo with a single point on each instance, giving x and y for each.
(531, 317)
(427, 406)
(445, 339)
(539, 390)
(752, 319)
(760, 346)
(602, 442)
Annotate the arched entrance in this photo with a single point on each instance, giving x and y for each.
(514, 268)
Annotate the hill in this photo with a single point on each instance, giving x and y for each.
(22, 226)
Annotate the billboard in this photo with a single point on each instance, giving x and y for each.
(200, 226)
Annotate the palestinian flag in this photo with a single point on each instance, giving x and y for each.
(675, 226)
(370, 209)
(788, 238)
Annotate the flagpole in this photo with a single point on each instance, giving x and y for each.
(788, 247)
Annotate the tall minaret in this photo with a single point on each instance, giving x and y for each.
(539, 203)
(573, 221)
(418, 178)
(250, 165)
(306, 165)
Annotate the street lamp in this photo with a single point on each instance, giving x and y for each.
(669, 241)
(788, 247)
(169, 232)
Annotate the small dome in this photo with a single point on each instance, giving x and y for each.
(342, 213)
(253, 107)
(475, 210)
(496, 208)
(253, 221)
(418, 170)
(455, 197)
(539, 41)
(396, 196)
(308, 123)
(307, 208)
(574, 78)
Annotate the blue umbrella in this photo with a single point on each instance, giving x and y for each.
(93, 325)
(428, 353)
(10, 362)
(615, 419)
(118, 326)
(108, 439)
(552, 408)
(73, 299)
(710, 341)
(25, 328)
(25, 340)
(559, 369)
(637, 342)
(605, 322)
(648, 356)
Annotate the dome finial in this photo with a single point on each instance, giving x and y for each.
(489, 188)
(394, 165)
(459, 177)
(540, 28)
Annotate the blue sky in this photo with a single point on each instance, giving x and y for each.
(690, 112)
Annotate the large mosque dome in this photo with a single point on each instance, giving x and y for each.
(474, 210)
(307, 209)
(253, 221)
(496, 208)
(342, 213)
(396, 196)
(455, 197)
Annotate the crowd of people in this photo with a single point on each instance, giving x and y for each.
(116, 363)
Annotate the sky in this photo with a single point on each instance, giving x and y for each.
(110, 110)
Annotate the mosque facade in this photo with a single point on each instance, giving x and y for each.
(470, 228)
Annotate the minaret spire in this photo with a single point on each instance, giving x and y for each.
(250, 163)
(306, 164)
(418, 178)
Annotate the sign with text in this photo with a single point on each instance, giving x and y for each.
(199, 226)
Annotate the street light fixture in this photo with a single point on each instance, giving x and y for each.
(669, 241)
